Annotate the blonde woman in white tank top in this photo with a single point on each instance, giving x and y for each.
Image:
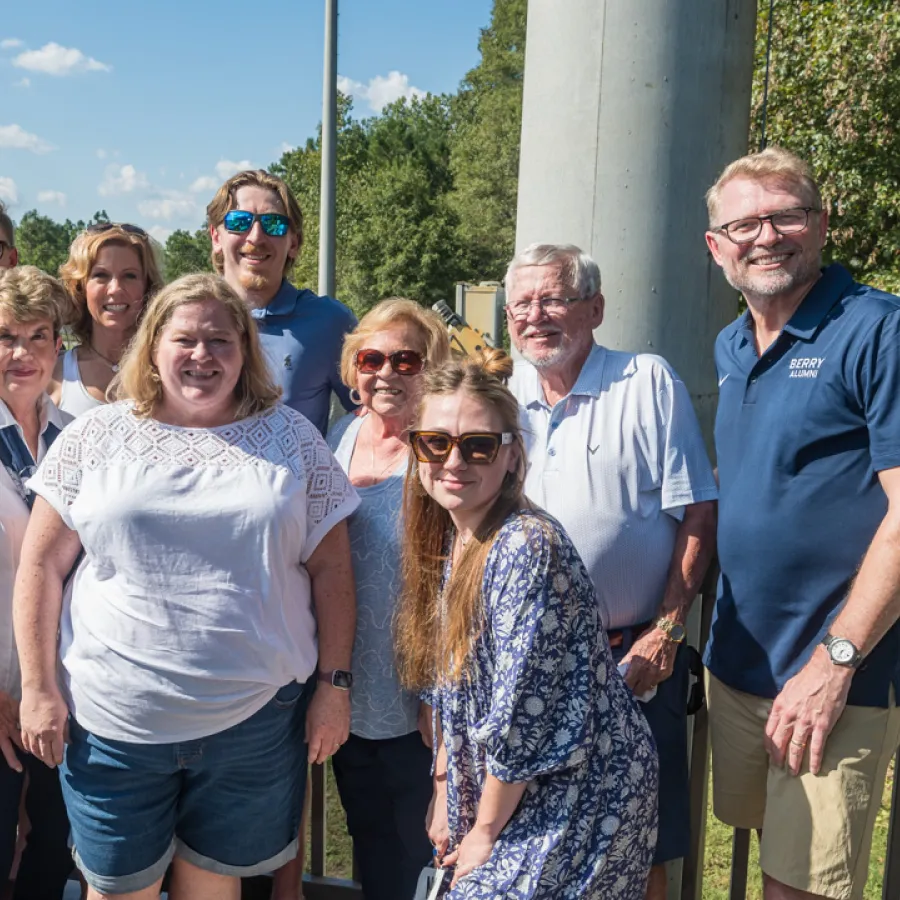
(109, 275)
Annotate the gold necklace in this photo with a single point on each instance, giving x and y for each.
(113, 365)
(378, 474)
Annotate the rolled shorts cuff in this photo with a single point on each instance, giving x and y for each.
(126, 884)
(208, 864)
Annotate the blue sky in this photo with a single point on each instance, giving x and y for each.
(143, 109)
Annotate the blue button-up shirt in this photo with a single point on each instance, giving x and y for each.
(302, 335)
(801, 433)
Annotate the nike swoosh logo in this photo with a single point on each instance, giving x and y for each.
(722, 380)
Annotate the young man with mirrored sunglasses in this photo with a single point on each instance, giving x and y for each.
(256, 227)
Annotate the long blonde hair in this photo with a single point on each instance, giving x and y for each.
(434, 634)
(138, 380)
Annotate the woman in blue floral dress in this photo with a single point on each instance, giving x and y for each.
(545, 771)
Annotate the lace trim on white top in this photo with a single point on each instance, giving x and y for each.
(112, 436)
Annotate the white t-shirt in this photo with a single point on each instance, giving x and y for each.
(14, 515)
(616, 461)
(193, 605)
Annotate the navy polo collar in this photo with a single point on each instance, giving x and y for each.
(284, 303)
(819, 302)
(811, 313)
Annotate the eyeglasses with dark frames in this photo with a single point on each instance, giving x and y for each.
(100, 227)
(785, 221)
(403, 362)
(551, 306)
(239, 221)
(476, 447)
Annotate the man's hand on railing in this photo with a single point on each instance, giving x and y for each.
(805, 711)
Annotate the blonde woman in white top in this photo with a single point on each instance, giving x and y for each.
(31, 310)
(212, 520)
(110, 274)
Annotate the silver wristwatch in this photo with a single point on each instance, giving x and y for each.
(842, 651)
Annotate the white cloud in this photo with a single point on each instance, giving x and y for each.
(381, 90)
(100, 153)
(22, 83)
(168, 205)
(159, 233)
(10, 43)
(52, 197)
(14, 137)
(285, 147)
(121, 180)
(53, 59)
(204, 184)
(9, 193)
(225, 168)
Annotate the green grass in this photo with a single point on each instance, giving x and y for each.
(716, 869)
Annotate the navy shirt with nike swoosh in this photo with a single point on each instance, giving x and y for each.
(801, 433)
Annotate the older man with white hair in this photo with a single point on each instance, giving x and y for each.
(616, 454)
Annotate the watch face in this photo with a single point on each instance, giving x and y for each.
(842, 651)
(341, 679)
(677, 632)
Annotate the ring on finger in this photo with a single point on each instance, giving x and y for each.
(800, 744)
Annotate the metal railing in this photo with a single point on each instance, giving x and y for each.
(318, 886)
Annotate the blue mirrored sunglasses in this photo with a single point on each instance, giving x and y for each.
(240, 221)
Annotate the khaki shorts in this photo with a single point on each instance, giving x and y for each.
(816, 829)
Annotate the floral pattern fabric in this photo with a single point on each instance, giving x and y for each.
(542, 702)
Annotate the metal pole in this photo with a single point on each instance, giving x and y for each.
(329, 153)
(630, 111)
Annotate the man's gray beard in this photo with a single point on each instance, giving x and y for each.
(550, 359)
(778, 284)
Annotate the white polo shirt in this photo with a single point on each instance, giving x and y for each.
(616, 462)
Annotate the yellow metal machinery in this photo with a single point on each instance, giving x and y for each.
(478, 319)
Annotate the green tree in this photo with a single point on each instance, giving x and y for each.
(485, 159)
(45, 243)
(186, 253)
(396, 233)
(834, 99)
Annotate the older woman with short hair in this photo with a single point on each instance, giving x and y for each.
(382, 771)
(110, 274)
(212, 520)
(32, 305)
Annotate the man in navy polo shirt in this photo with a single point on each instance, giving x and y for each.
(257, 229)
(804, 657)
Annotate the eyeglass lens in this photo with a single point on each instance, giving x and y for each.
(551, 305)
(435, 446)
(788, 221)
(403, 362)
(100, 227)
(240, 221)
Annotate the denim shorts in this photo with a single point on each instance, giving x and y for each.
(229, 803)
